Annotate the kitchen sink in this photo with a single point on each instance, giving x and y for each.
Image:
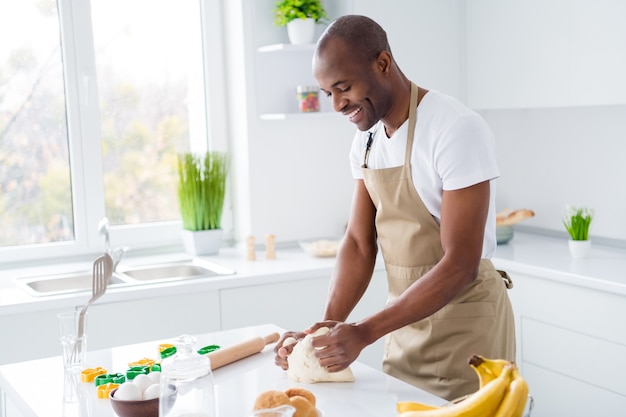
(81, 281)
(62, 284)
(176, 271)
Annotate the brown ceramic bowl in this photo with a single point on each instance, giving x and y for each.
(144, 408)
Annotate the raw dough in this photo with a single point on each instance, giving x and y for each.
(305, 367)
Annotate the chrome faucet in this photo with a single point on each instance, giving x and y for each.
(103, 229)
(116, 254)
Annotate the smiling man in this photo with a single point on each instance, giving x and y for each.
(424, 167)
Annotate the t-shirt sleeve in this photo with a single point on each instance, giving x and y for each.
(356, 156)
(466, 154)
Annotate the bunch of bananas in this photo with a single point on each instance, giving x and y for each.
(502, 393)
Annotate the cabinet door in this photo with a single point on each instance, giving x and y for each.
(292, 305)
(539, 53)
(28, 336)
(573, 350)
(116, 324)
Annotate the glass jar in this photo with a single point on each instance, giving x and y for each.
(308, 98)
(186, 382)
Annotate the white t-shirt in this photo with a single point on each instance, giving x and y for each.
(453, 148)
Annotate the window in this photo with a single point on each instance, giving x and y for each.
(96, 99)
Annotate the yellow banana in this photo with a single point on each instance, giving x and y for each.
(515, 398)
(487, 369)
(403, 406)
(482, 403)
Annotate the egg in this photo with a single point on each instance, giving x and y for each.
(143, 381)
(152, 391)
(128, 391)
(155, 377)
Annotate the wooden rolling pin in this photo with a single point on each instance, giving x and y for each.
(230, 354)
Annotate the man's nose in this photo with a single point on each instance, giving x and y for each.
(339, 102)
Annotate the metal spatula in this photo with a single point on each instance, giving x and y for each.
(102, 272)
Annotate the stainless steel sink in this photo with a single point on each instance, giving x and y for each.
(175, 271)
(80, 281)
(62, 284)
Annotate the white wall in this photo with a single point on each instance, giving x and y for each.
(552, 157)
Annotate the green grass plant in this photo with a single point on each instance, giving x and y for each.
(577, 222)
(201, 189)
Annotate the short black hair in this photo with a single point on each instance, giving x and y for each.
(366, 38)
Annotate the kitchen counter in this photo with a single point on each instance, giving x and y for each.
(549, 258)
(36, 388)
(527, 253)
(291, 264)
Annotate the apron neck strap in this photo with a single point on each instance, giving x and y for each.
(412, 121)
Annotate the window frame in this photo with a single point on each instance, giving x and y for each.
(83, 126)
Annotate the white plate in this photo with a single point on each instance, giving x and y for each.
(321, 248)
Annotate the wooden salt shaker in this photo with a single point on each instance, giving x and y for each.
(250, 252)
(270, 247)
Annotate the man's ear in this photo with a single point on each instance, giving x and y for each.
(383, 62)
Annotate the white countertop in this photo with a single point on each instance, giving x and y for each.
(526, 254)
(549, 258)
(36, 387)
(291, 264)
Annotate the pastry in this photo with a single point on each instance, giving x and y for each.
(302, 392)
(271, 399)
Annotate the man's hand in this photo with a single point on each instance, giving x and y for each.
(283, 350)
(340, 347)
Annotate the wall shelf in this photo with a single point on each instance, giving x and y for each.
(295, 116)
(286, 47)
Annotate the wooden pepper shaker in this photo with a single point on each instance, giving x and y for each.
(250, 252)
(270, 247)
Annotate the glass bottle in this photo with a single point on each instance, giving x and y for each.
(186, 382)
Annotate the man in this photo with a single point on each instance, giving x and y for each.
(423, 165)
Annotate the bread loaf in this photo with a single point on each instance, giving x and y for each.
(509, 217)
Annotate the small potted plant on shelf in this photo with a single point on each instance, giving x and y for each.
(300, 17)
(577, 222)
(201, 192)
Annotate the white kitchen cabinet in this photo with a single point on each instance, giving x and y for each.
(538, 53)
(292, 305)
(165, 317)
(35, 335)
(572, 347)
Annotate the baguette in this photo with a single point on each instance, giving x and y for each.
(509, 217)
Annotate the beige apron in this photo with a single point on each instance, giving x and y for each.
(432, 353)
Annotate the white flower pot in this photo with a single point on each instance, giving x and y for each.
(579, 249)
(202, 242)
(301, 31)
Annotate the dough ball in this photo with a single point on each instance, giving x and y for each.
(303, 392)
(303, 407)
(271, 399)
(305, 367)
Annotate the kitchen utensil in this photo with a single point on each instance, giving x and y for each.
(230, 354)
(102, 272)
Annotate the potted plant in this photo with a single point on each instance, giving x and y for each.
(300, 17)
(201, 191)
(577, 222)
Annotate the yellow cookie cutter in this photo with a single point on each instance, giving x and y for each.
(142, 362)
(103, 390)
(89, 374)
